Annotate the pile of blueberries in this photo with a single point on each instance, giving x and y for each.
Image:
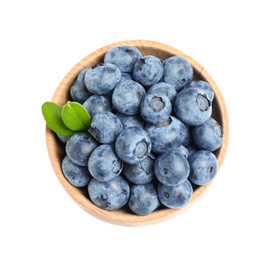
(151, 137)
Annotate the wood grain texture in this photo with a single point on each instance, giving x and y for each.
(56, 149)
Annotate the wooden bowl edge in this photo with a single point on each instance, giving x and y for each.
(81, 200)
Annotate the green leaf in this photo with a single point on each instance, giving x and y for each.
(76, 117)
(52, 114)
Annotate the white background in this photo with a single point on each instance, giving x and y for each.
(42, 40)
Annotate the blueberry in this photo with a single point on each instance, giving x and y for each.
(202, 85)
(62, 138)
(127, 97)
(175, 197)
(143, 199)
(124, 57)
(172, 168)
(96, 104)
(203, 167)
(163, 88)
(208, 136)
(133, 145)
(103, 163)
(177, 71)
(76, 175)
(183, 150)
(148, 70)
(105, 127)
(167, 135)
(192, 106)
(188, 135)
(128, 121)
(79, 147)
(155, 108)
(109, 195)
(192, 149)
(78, 91)
(142, 172)
(126, 75)
(101, 79)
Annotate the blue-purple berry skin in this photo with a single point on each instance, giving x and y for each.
(62, 138)
(163, 88)
(78, 90)
(192, 106)
(192, 149)
(148, 70)
(127, 97)
(133, 145)
(208, 136)
(203, 167)
(126, 75)
(168, 135)
(172, 168)
(175, 197)
(109, 195)
(141, 173)
(155, 108)
(80, 146)
(143, 199)
(102, 78)
(128, 121)
(105, 127)
(96, 104)
(183, 150)
(177, 71)
(103, 163)
(76, 175)
(124, 57)
(188, 135)
(202, 85)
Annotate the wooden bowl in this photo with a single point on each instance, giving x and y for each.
(56, 149)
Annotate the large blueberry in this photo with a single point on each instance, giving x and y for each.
(103, 163)
(172, 168)
(124, 57)
(96, 104)
(208, 136)
(101, 79)
(105, 127)
(202, 85)
(163, 88)
(110, 195)
(79, 147)
(128, 121)
(177, 71)
(203, 167)
(192, 106)
(78, 91)
(148, 70)
(142, 172)
(155, 108)
(76, 175)
(127, 97)
(167, 135)
(133, 145)
(175, 196)
(143, 199)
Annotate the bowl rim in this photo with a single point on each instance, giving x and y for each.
(116, 217)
